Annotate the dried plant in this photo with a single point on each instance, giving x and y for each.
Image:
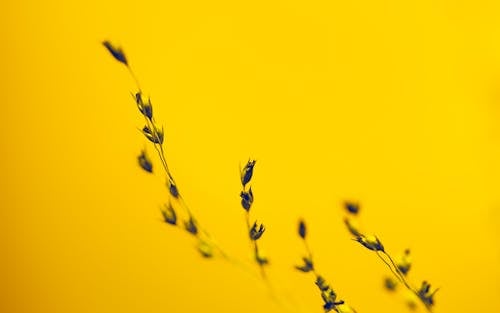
(398, 266)
(176, 212)
(329, 296)
(155, 135)
(255, 230)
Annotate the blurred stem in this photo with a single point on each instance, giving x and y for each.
(151, 124)
(401, 277)
(255, 247)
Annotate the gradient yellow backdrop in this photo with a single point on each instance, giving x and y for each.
(395, 104)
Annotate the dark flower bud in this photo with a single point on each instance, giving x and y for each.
(425, 294)
(169, 215)
(329, 296)
(328, 306)
(145, 162)
(321, 283)
(246, 199)
(247, 172)
(116, 52)
(172, 188)
(155, 137)
(302, 229)
(149, 134)
(352, 207)
(190, 226)
(370, 242)
(390, 284)
(256, 231)
(307, 267)
(146, 108)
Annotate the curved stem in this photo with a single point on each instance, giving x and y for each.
(151, 124)
(403, 279)
(134, 76)
(390, 267)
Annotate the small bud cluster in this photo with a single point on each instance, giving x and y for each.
(330, 300)
(400, 266)
(255, 231)
(156, 136)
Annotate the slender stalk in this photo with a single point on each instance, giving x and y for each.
(403, 279)
(151, 124)
(255, 247)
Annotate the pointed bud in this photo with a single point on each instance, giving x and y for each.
(169, 215)
(256, 231)
(307, 267)
(116, 52)
(172, 188)
(246, 199)
(145, 162)
(247, 172)
(370, 242)
(302, 229)
(352, 207)
(145, 108)
(190, 226)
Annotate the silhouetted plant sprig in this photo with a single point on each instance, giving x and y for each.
(177, 213)
(399, 267)
(145, 162)
(156, 136)
(255, 230)
(329, 296)
(170, 211)
(403, 263)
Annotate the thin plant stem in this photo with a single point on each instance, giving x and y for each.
(151, 124)
(309, 253)
(134, 76)
(255, 247)
(391, 268)
(403, 279)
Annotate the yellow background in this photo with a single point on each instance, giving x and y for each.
(395, 104)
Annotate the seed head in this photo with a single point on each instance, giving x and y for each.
(302, 229)
(247, 172)
(144, 162)
(190, 226)
(116, 52)
(352, 207)
(425, 294)
(256, 231)
(321, 283)
(308, 265)
(146, 108)
(370, 242)
(390, 284)
(246, 199)
(172, 188)
(155, 136)
(329, 298)
(169, 215)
